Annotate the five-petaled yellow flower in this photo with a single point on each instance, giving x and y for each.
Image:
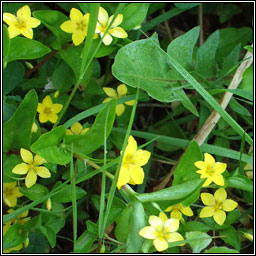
(131, 171)
(76, 129)
(10, 193)
(211, 170)
(121, 91)
(103, 23)
(217, 205)
(31, 167)
(177, 210)
(77, 25)
(47, 110)
(162, 231)
(22, 24)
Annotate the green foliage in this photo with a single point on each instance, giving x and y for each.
(201, 242)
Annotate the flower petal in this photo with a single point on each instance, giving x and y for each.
(47, 101)
(53, 118)
(220, 195)
(26, 156)
(75, 15)
(130, 102)
(162, 216)
(107, 40)
(9, 18)
(137, 174)
(171, 225)
(148, 232)
(110, 92)
(33, 22)
(24, 12)
(219, 216)
(175, 214)
(160, 244)
(209, 159)
(13, 31)
(229, 205)
(207, 182)
(123, 178)
(118, 20)
(68, 26)
(174, 237)
(107, 100)
(219, 167)
(118, 32)
(84, 131)
(218, 179)
(38, 160)
(103, 16)
(56, 108)
(170, 208)
(76, 128)
(187, 211)
(155, 221)
(208, 199)
(43, 172)
(131, 147)
(11, 201)
(141, 157)
(30, 178)
(120, 109)
(43, 118)
(78, 37)
(68, 132)
(206, 212)
(200, 164)
(21, 168)
(121, 90)
(27, 32)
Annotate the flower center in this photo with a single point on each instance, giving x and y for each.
(160, 232)
(47, 111)
(209, 170)
(20, 24)
(81, 26)
(218, 205)
(8, 192)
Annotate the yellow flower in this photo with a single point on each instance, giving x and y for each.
(211, 170)
(22, 24)
(162, 231)
(47, 110)
(112, 93)
(249, 236)
(34, 128)
(177, 210)
(217, 205)
(131, 171)
(10, 193)
(103, 23)
(76, 129)
(77, 25)
(31, 167)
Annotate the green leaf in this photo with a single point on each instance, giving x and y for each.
(130, 20)
(134, 240)
(52, 20)
(191, 155)
(139, 64)
(9, 162)
(6, 41)
(247, 82)
(47, 146)
(182, 47)
(249, 48)
(201, 242)
(35, 192)
(13, 237)
(196, 226)
(205, 59)
(37, 243)
(50, 234)
(186, 5)
(8, 110)
(227, 11)
(177, 192)
(24, 49)
(221, 249)
(94, 137)
(231, 237)
(63, 77)
(84, 242)
(232, 217)
(240, 182)
(239, 108)
(17, 130)
(65, 196)
(10, 81)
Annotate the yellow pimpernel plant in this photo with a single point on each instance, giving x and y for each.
(131, 171)
(76, 129)
(22, 24)
(211, 170)
(162, 231)
(177, 210)
(48, 111)
(116, 94)
(11, 193)
(77, 26)
(217, 205)
(103, 24)
(31, 167)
